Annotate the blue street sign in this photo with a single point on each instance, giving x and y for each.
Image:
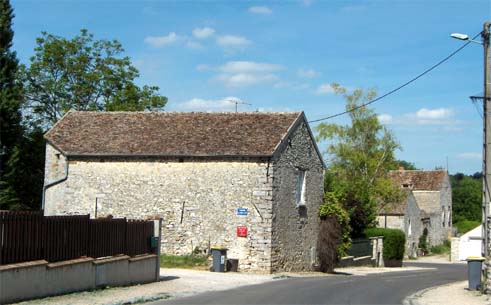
(242, 211)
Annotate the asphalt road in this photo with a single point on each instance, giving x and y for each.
(383, 288)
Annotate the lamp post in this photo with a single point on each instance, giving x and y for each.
(486, 166)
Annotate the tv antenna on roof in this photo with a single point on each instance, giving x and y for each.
(237, 102)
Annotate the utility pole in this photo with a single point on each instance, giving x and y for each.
(486, 159)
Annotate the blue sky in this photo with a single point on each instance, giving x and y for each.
(280, 56)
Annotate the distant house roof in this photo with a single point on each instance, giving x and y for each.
(419, 180)
(85, 133)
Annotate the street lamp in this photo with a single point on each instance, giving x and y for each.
(486, 195)
(464, 37)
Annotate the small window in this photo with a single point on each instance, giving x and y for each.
(443, 217)
(300, 192)
(409, 229)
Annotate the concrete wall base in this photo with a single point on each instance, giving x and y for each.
(37, 279)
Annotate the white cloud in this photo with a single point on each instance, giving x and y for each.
(159, 41)
(307, 73)
(325, 89)
(425, 116)
(264, 10)
(246, 79)
(385, 118)
(442, 117)
(198, 104)
(470, 156)
(232, 41)
(202, 33)
(434, 114)
(247, 73)
(248, 67)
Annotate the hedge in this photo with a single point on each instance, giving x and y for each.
(394, 241)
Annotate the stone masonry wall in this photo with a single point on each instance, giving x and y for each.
(197, 200)
(413, 227)
(296, 228)
(393, 221)
(437, 233)
(446, 204)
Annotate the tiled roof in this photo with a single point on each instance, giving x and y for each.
(419, 180)
(170, 133)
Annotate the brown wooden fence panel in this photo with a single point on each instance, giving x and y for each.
(19, 235)
(65, 237)
(106, 237)
(138, 237)
(26, 236)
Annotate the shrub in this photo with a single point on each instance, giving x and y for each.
(423, 241)
(394, 241)
(327, 244)
(441, 249)
(332, 207)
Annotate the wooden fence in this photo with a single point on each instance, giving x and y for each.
(26, 236)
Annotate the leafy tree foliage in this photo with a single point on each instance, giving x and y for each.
(360, 155)
(11, 130)
(332, 211)
(24, 173)
(405, 164)
(466, 200)
(83, 74)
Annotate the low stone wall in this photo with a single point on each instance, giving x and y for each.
(38, 279)
(454, 249)
(376, 260)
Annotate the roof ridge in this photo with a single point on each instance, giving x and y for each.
(183, 112)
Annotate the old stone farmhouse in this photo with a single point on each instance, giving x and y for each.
(428, 205)
(250, 182)
(405, 216)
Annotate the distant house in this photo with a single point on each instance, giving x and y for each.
(405, 216)
(250, 182)
(432, 194)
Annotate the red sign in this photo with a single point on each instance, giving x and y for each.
(241, 231)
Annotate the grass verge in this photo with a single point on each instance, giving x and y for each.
(183, 261)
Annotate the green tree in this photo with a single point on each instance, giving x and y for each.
(466, 198)
(359, 157)
(83, 74)
(405, 164)
(24, 173)
(11, 130)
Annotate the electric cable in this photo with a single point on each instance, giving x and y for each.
(401, 86)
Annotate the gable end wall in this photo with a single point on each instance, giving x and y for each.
(296, 229)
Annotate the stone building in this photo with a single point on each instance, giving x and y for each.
(433, 196)
(405, 216)
(250, 182)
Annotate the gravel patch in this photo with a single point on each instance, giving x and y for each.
(174, 283)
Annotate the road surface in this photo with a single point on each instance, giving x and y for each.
(383, 288)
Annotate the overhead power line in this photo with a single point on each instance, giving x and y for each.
(399, 87)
